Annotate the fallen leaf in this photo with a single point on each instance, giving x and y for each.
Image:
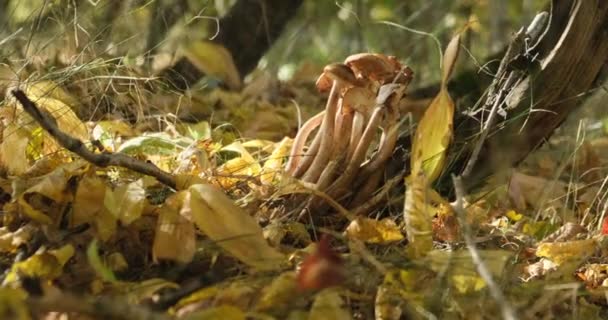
(230, 227)
(560, 252)
(328, 305)
(374, 231)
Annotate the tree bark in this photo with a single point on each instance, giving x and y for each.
(247, 31)
(568, 59)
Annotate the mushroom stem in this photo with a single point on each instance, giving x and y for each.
(387, 146)
(369, 186)
(327, 135)
(336, 190)
(297, 151)
(310, 155)
(356, 132)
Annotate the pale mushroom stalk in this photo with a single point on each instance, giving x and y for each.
(387, 146)
(297, 151)
(310, 155)
(356, 132)
(327, 135)
(336, 190)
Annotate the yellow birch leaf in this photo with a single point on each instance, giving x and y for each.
(560, 252)
(274, 164)
(416, 214)
(214, 60)
(13, 305)
(232, 228)
(127, 201)
(373, 231)
(47, 265)
(434, 132)
(88, 207)
(175, 237)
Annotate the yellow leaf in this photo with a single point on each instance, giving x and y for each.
(374, 231)
(513, 215)
(467, 283)
(43, 201)
(232, 228)
(174, 238)
(560, 252)
(274, 163)
(434, 131)
(13, 150)
(225, 312)
(127, 201)
(13, 305)
(328, 305)
(279, 293)
(214, 60)
(88, 207)
(433, 137)
(417, 217)
(244, 165)
(47, 265)
(49, 89)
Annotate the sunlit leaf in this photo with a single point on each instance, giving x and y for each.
(46, 265)
(157, 144)
(43, 201)
(127, 201)
(175, 237)
(374, 231)
(10, 241)
(13, 150)
(214, 60)
(231, 227)
(434, 131)
(274, 164)
(560, 252)
(417, 214)
(88, 207)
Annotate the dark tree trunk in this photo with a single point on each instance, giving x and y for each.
(569, 58)
(247, 31)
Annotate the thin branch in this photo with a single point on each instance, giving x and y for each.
(79, 148)
(507, 311)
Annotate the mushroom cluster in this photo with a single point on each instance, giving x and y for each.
(345, 158)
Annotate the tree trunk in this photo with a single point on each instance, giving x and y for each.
(247, 31)
(567, 60)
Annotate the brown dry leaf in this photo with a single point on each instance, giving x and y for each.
(373, 231)
(175, 237)
(434, 131)
(536, 191)
(560, 252)
(214, 60)
(88, 207)
(328, 305)
(232, 228)
(126, 203)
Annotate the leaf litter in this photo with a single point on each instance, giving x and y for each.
(263, 226)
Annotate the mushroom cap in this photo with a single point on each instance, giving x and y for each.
(335, 72)
(374, 66)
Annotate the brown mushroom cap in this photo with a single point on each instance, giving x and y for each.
(373, 66)
(335, 71)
